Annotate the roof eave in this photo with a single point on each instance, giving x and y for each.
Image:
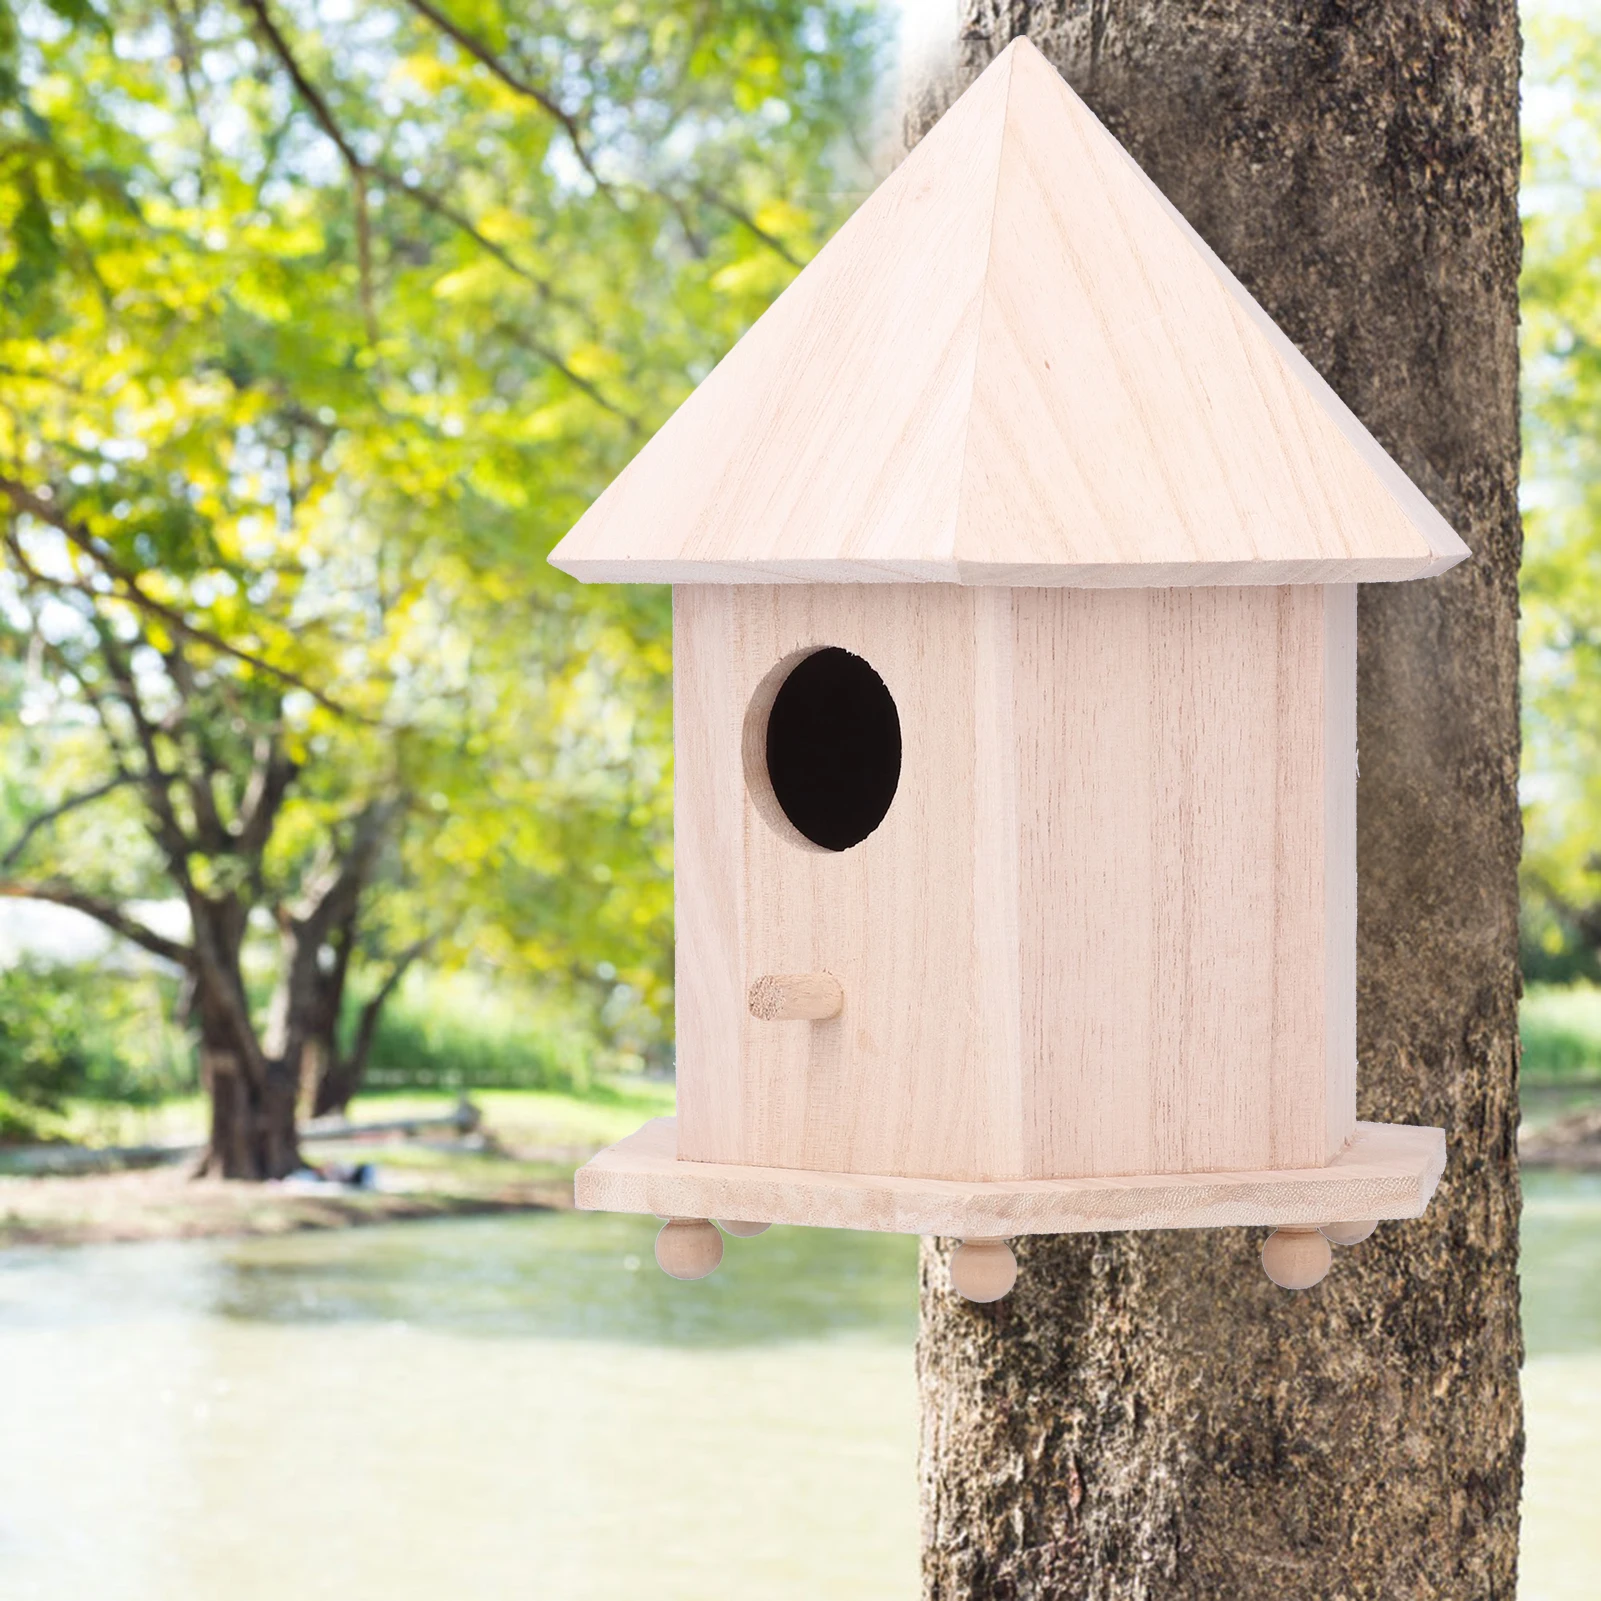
(1110, 575)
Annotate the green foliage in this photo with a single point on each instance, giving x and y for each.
(1561, 1032)
(82, 1032)
(1562, 469)
(454, 1032)
(319, 323)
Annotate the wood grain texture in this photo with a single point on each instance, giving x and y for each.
(1106, 926)
(1081, 394)
(796, 997)
(1387, 1171)
(1296, 1259)
(983, 1270)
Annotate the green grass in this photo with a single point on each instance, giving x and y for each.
(1561, 1031)
(606, 1111)
(451, 1031)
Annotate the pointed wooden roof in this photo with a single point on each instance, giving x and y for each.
(1015, 364)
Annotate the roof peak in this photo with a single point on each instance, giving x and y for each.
(1015, 364)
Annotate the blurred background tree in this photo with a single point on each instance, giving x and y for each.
(1561, 580)
(319, 323)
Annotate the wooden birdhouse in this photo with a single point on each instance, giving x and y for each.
(1014, 555)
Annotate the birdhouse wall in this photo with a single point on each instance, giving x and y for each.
(1107, 925)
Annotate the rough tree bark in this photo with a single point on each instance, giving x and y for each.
(1146, 1417)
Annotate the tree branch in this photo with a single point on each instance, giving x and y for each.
(446, 212)
(197, 756)
(362, 172)
(550, 358)
(304, 87)
(354, 1063)
(335, 899)
(156, 781)
(269, 782)
(107, 913)
(745, 220)
(70, 669)
(45, 819)
(481, 53)
(25, 499)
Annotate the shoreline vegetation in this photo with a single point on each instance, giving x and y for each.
(522, 1151)
(521, 1158)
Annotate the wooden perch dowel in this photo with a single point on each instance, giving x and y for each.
(782, 997)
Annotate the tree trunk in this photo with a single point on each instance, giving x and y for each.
(253, 1133)
(1146, 1416)
(252, 1096)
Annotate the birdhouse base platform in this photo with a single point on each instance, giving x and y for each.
(1387, 1170)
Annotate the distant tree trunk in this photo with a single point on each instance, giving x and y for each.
(252, 1134)
(1145, 1416)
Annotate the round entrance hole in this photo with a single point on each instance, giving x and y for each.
(833, 748)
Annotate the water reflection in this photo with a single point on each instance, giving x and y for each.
(538, 1276)
(572, 1276)
(525, 1408)
(1561, 1268)
(517, 1407)
(1561, 1263)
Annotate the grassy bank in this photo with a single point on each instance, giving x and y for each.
(523, 1158)
(1561, 1030)
(605, 1111)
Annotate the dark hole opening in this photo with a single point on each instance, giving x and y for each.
(834, 748)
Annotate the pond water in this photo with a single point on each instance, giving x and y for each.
(524, 1407)
(1561, 1265)
(517, 1407)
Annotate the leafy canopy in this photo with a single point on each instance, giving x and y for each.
(319, 323)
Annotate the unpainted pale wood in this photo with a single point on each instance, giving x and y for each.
(688, 1248)
(1082, 394)
(1296, 1259)
(1347, 1233)
(742, 1231)
(796, 997)
(1184, 874)
(1339, 754)
(983, 1270)
(1386, 1171)
(893, 1079)
(1106, 925)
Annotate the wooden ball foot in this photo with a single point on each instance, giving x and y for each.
(688, 1248)
(1346, 1233)
(1296, 1259)
(742, 1231)
(983, 1270)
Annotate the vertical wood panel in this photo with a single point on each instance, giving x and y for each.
(1088, 938)
(895, 1084)
(1172, 878)
(1339, 856)
(708, 878)
(1086, 815)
